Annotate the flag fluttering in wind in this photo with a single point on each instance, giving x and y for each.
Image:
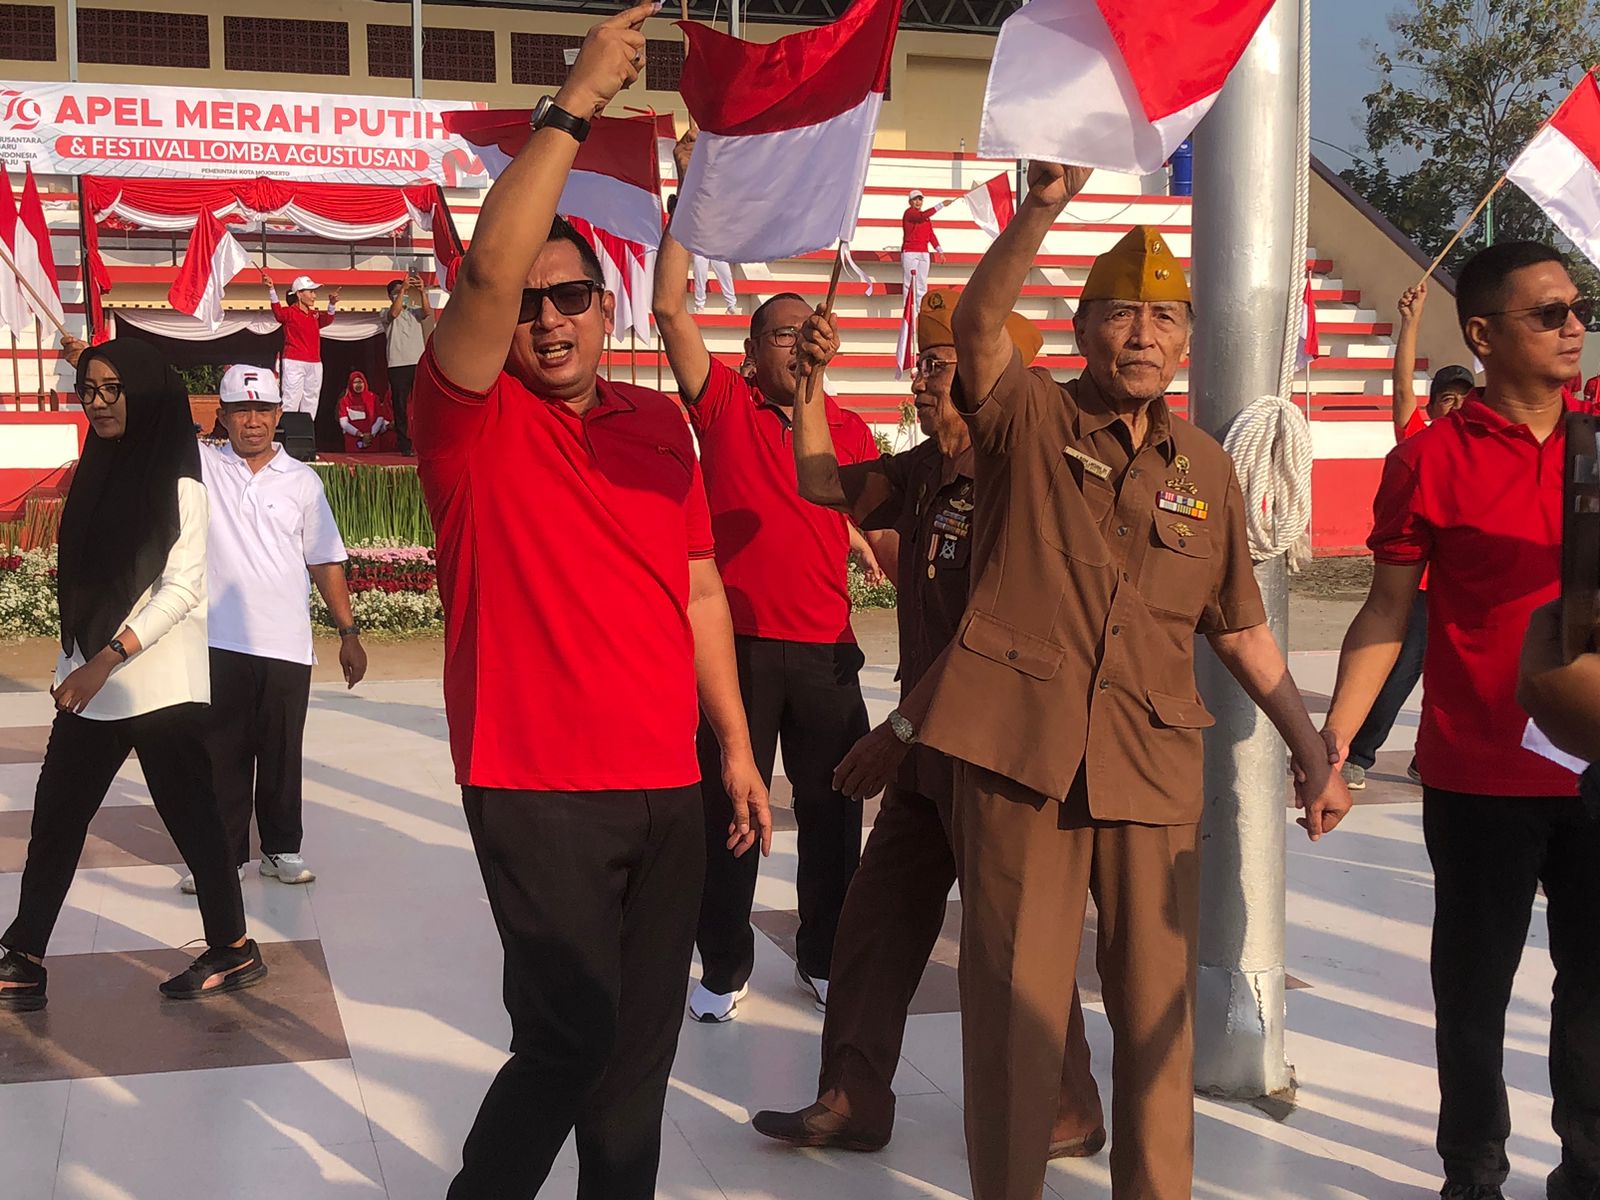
(786, 133)
(1310, 344)
(615, 182)
(14, 311)
(1116, 84)
(1560, 168)
(213, 258)
(26, 235)
(905, 348)
(629, 269)
(992, 204)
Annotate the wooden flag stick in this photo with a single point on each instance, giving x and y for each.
(660, 354)
(1465, 225)
(608, 357)
(809, 384)
(39, 305)
(633, 356)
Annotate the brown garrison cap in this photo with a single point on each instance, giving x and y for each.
(933, 325)
(1140, 267)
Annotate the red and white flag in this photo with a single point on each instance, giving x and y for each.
(615, 182)
(1560, 169)
(1310, 344)
(35, 259)
(14, 312)
(213, 258)
(629, 269)
(785, 134)
(1116, 84)
(992, 204)
(905, 351)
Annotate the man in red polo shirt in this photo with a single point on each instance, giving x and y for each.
(783, 562)
(1477, 500)
(583, 612)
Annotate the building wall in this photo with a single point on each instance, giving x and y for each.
(936, 85)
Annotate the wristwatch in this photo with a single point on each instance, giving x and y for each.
(547, 113)
(902, 728)
(122, 651)
(351, 630)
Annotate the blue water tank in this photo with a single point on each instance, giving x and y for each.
(1183, 169)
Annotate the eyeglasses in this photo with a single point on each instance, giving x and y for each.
(107, 393)
(570, 299)
(931, 364)
(785, 337)
(1550, 317)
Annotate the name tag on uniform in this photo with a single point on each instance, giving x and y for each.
(1092, 465)
(1186, 506)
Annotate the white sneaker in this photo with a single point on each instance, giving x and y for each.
(817, 989)
(286, 868)
(186, 884)
(714, 1008)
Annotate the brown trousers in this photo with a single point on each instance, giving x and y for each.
(1028, 865)
(891, 920)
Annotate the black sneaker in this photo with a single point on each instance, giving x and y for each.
(1565, 1183)
(23, 981)
(1471, 1191)
(220, 969)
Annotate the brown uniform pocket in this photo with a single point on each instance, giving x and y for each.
(994, 639)
(1069, 520)
(1177, 575)
(1177, 713)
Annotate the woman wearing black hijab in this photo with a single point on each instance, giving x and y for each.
(134, 669)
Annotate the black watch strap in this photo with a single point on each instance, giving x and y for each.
(121, 650)
(549, 114)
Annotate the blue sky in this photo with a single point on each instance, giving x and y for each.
(1341, 69)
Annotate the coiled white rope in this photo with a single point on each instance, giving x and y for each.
(1270, 443)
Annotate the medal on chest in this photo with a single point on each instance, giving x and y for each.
(1168, 500)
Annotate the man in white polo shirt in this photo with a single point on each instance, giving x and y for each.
(272, 533)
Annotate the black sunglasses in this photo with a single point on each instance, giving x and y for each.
(1553, 316)
(570, 299)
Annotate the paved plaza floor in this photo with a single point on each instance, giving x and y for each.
(356, 1069)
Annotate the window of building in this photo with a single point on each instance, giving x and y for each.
(460, 55)
(537, 58)
(28, 32)
(286, 47)
(663, 65)
(144, 39)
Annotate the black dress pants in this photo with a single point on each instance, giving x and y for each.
(594, 895)
(80, 762)
(257, 735)
(1489, 855)
(808, 697)
(401, 381)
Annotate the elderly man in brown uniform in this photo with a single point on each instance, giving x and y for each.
(896, 903)
(1109, 533)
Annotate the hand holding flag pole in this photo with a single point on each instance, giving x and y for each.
(810, 368)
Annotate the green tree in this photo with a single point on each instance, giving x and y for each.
(1466, 86)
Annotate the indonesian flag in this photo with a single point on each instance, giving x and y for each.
(1560, 168)
(905, 349)
(1310, 344)
(615, 182)
(1110, 83)
(13, 302)
(785, 134)
(629, 269)
(36, 261)
(992, 204)
(213, 258)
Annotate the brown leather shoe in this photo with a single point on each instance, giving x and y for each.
(1079, 1147)
(816, 1126)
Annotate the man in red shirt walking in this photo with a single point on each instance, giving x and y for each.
(302, 341)
(583, 614)
(1477, 501)
(783, 562)
(917, 238)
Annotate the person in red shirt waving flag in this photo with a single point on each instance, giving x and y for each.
(917, 239)
(586, 629)
(1476, 501)
(302, 341)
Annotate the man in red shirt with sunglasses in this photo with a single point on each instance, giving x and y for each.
(585, 629)
(1476, 500)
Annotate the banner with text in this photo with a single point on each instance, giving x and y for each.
(156, 132)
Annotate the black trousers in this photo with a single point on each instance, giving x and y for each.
(81, 760)
(1396, 689)
(595, 895)
(808, 697)
(401, 381)
(257, 733)
(1489, 853)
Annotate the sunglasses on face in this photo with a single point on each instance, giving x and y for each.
(106, 393)
(570, 299)
(1550, 317)
(931, 364)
